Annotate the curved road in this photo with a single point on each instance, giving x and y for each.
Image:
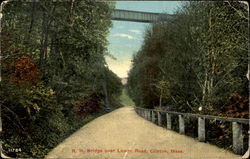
(122, 134)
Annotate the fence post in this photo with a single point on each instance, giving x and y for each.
(159, 118)
(149, 115)
(237, 138)
(169, 121)
(201, 130)
(181, 124)
(153, 116)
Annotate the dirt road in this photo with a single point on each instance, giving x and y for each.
(122, 134)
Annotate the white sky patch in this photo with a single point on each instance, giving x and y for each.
(123, 35)
(119, 67)
(135, 31)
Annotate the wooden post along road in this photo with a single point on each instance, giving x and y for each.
(238, 146)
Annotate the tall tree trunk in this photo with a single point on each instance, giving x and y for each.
(32, 15)
(44, 38)
(43, 28)
(210, 70)
(161, 98)
(45, 45)
(212, 57)
(204, 88)
(107, 104)
(28, 37)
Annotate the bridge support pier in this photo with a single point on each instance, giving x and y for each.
(169, 121)
(159, 118)
(181, 124)
(201, 130)
(237, 138)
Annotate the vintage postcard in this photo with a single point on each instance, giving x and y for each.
(100, 79)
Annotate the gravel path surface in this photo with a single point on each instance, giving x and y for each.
(122, 134)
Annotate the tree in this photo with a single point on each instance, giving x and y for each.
(201, 53)
(52, 70)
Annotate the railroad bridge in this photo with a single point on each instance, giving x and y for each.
(138, 16)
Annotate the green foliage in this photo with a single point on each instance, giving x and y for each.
(199, 58)
(87, 105)
(114, 86)
(53, 53)
(195, 59)
(125, 99)
(29, 114)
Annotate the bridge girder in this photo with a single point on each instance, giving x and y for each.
(138, 16)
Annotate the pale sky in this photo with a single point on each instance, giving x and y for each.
(125, 38)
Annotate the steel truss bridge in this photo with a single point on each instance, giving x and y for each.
(138, 16)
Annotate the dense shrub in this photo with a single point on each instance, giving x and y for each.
(236, 106)
(24, 70)
(29, 116)
(88, 105)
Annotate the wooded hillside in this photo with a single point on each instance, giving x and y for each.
(197, 63)
(198, 58)
(54, 75)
